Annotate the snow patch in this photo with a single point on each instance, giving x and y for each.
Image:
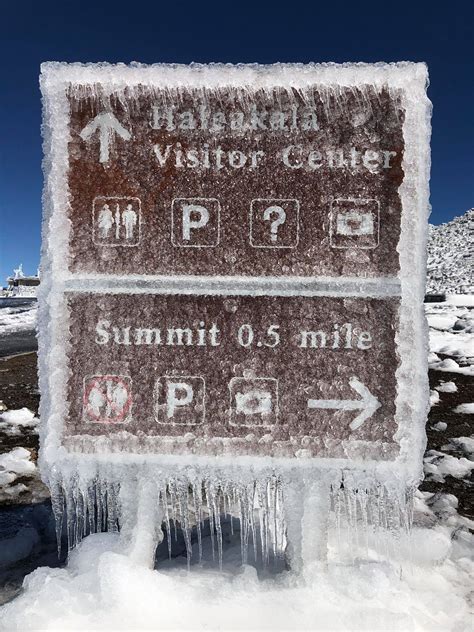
(103, 589)
(12, 421)
(465, 409)
(13, 465)
(438, 466)
(447, 387)
(18, 318)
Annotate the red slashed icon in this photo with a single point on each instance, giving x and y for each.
(107, 399)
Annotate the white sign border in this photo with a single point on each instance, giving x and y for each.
(409, 80)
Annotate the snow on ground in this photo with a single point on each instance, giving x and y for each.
(14, 465)
(465, 409)
(434, 397)
(18, 318)
(463, 300)
(12, 421)
(18, 471)
(451, 330)
(446, 387)
(438, 465)
(425, 586)
(463, 443)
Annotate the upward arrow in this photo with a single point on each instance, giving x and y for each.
(368, 404)
(106, 124)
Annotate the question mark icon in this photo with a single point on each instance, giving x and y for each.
(276, 223)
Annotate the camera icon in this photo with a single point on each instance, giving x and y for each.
(253, 402)
(354, 223)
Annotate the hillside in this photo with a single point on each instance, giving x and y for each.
(451, 256)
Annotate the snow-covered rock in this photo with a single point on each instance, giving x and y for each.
(451, 256)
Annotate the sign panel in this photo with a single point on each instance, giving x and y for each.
(241, 375)
(235, 261)
(280, 185)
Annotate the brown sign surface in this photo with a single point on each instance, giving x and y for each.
(231, 184)
(273, 375)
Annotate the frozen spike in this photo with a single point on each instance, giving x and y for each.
(164, 502)
(90, 500)
(253, 526)
(58, 506)
(211, 516)
(216, 506)
(184, 507)
(197, 499)
(171, 489)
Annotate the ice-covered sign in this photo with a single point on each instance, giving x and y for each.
(233, 263)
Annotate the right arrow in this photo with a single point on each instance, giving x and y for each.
(368, 404)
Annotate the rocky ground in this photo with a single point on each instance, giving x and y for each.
(450, 264)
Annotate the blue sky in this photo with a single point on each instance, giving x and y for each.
(34, 31)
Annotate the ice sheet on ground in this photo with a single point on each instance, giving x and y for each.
(18, 547)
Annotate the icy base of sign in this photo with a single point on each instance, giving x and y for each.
(275, 516)
(247, 450)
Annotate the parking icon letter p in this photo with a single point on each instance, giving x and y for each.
(180, 400)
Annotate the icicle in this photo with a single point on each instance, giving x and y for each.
(197, 495)
(164, 502)
(211, 517)
(183, 494)
(90, 501)
(217, 520)
(171, 489)
(58, 506)
(253, 525)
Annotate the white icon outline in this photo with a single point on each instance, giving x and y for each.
(232, 410)
(201, 201)
(275, 200)
(360, 201)
(104, 123)
(86, 416)
(182, 378)
(101, 243)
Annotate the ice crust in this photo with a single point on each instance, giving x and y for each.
(89, 497)
(89, 486)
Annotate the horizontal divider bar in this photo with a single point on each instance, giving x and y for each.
(235, 286)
